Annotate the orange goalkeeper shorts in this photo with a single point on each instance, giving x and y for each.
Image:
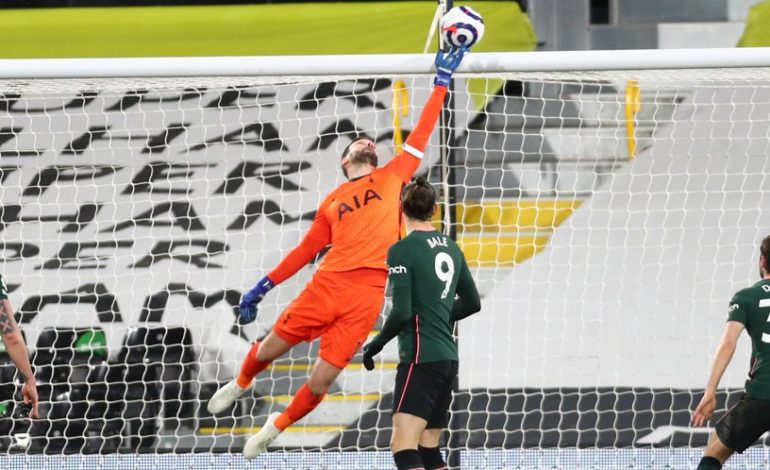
(340, 307)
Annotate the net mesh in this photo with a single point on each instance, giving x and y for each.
(607, 218)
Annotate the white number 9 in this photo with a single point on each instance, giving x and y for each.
(445, 270)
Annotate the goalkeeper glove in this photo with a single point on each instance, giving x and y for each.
(371, 350)
(446, 63)
(248, 307)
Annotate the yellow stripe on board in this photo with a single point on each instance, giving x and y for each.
(508, 232)
(516, 215)
(502, 250)
(513, 216)
(336, 397)
(254, 429)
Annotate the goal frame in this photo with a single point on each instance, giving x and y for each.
(390, 64)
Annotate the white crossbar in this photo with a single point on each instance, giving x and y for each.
(384, 64)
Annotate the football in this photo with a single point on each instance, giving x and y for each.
(462, 26)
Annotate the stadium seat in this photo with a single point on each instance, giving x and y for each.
(133, 403)
(104, 422)
(165, 360)
(62, 355)
(63, 361)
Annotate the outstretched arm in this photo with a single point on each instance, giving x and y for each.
(401, 313)
(468, 301)
(407, 162)
(398, 317)
(724, 354)
(17, 351)
(316, 239)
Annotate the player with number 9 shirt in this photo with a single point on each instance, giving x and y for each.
(426, 270)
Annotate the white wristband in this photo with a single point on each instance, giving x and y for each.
(413, 151)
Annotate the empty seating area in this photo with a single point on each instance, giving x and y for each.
(96, 405)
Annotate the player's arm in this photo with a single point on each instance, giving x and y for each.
(316, 239)
(400, 278)
(17, 351)
(406, 163)
(468, 301)
(735, 323)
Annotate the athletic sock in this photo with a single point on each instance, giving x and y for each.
(408, 459)
(709, 463)
(432, 458)
(303, 403)
(250, 367)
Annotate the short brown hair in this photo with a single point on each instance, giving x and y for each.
(355, 139)
(764, 250)
(347, 149)
(418, 199)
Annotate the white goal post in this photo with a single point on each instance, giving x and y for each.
(609, 203)
(384, 64)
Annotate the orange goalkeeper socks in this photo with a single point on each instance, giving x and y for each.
(303, 403)
(251, 367)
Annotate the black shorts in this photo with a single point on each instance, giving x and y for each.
(742, 425)
(425, 390)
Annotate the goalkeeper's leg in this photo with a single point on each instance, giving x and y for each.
(360, 306)
(302, 320)
(339, 344)
(261, 354)
(304, 401)
(309, 395)
(344, 320)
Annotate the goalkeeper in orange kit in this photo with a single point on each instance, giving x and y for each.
(360, 220)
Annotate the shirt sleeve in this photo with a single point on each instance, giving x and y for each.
(737, 310)
(3, 289)
(407, 161)
(316, 239)
(468, 301)
(400, 279)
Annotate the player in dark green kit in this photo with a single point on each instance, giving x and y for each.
(742, 425)
(432, 289)
(16, 349)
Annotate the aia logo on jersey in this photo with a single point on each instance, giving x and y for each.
(358, 203)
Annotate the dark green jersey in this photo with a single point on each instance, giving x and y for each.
(427, 270)
(3, 289)
(751, 306)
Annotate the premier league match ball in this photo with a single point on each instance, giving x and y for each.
(462, 26)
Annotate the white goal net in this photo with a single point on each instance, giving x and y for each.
(607, 217)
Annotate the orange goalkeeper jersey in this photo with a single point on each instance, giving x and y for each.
(361, 218)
